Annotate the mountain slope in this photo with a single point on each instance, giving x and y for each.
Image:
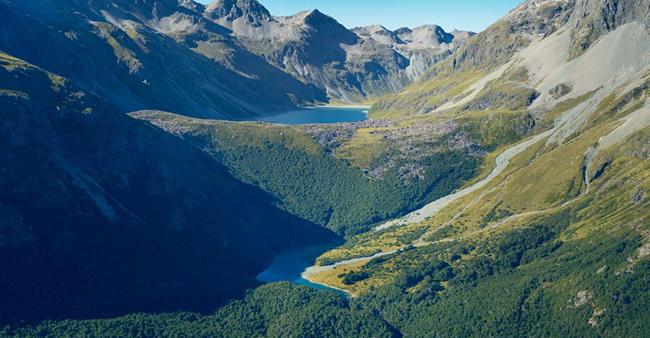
(182, 56)
(350, 65)
(103, 214)
(156, 54)
(555, 245)
(316, 179)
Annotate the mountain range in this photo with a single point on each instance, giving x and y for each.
(499, 187)
(201, 61)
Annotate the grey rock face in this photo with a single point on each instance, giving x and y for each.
(428, 36)
(149, 54)
(592, 19)
(350, 65)
(229, 59)
(231, 10)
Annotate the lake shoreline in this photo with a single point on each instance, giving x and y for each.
(317, 115)
(290, 264)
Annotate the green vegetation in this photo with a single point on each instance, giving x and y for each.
(363, 149)
(424, 96)
(354, 277)
(496, 129)
(123, 54)
(309, 182)
(531, 281)
(527, 257)
(557, 244)
(101, 214)
(275, 310)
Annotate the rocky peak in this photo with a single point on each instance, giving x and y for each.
(427, 36)
(379, 33)
(231, 10)
(325, 27)
(458, 34)
(317, 18)
(538, 17)
(403, 30)
(191, 4)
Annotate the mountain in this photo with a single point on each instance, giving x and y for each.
(535, 132)
(554, 243)
(350, 65)
(153, 54)
(229, 59)
(427, 36)
(103, 214)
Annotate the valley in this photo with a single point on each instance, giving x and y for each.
(170, 168)
(320, 273)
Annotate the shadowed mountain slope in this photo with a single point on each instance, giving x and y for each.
(103, 214)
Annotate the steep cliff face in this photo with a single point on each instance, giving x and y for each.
(103, 214)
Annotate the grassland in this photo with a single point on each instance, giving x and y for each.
(514, 201)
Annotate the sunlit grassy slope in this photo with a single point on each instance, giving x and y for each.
(553, 235)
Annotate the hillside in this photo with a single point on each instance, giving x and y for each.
(561, 235)
(516, 171)
(104, 215)
(314, 173)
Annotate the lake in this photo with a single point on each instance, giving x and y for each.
(288, 265)
(319, 115)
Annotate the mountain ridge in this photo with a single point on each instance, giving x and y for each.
(541, 124)
(348, 67)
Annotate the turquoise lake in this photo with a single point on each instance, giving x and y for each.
(319, 115)
(288, 266)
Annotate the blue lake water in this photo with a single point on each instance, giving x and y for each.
(288, 265)
(318, 115)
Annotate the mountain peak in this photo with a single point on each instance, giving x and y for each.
(322, 22)
(425, 36)
(403, 30)
(379, 33)
(231, 10)
(314, 16)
